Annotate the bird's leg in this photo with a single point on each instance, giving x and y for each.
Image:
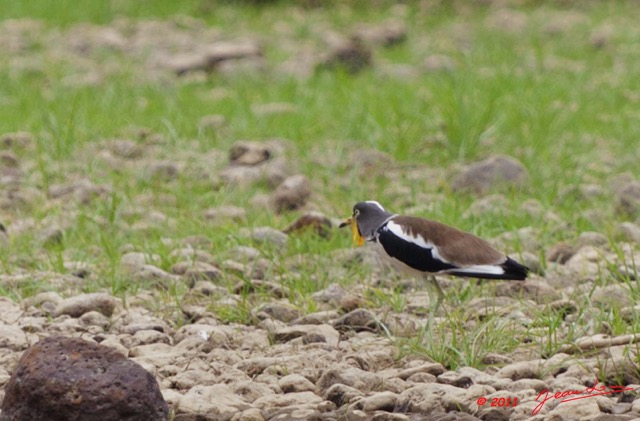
(432, 283)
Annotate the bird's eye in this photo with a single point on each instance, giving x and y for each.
(356, 212)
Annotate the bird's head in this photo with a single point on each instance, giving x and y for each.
(365, 220)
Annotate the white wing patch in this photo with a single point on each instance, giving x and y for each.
(399, 232)
(487, 269)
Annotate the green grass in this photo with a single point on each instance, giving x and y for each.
(564, 107)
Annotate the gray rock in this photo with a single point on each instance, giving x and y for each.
(212, 122)
(561, 253)
(590, 238)
(162, 170)
(14, 338)
(296, 383)
(629, 231)
(225, 214)
(322, 333)
(72, 379)
(95, 318)
(520, 370)
(287, 400)
(269, 235)
(249, 153)
(84, 303)
(125, 148)
(251, 414)
(358, 320)
(490, 174)
(16, 140)
(531, 289)
(351, 55)
(291, 194)
(611, 296)
(279, 311)
(455, 379)
(311, 221)
(431, 398)
(210, 403)
(364, 381)
(197, 271)
(189, 379)
(388, 33)
(628, 198)
(382, 401)
(341, 394)
(435, 369)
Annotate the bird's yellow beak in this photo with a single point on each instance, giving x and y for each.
(357, 238)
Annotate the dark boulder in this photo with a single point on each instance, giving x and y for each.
(70, 379)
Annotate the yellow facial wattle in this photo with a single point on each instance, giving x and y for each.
(357, 238)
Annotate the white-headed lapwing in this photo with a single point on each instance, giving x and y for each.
(423, 247)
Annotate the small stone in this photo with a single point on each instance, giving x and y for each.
(576, 410)
(364, 381)
(589, 238)
(249, 153)
(358, 320)
(434, 369)
(455, 379)
(333, 294)
(14, 338)
(611, 296)
(201, 271)
(212, 122)
(313, 333)
(438, 63)
(225, 214)
(287, 400)
(95, 318)
(628, 197)
(72, 379)
(84, 303)
(311, 221)
(296, 383)
(494, 172)
(520, 370)
(16, 140)
(493, 358)
(351, 55)
(383, 401)
(387, 33)
(428, 398)
(153, 274)
(188, 379)
(272, 108)
(125, 148)
(269, 235)
(51, 236)
(259, 286)
(629, 231)
(209, 403)
(251, 414)
(163, 170)
(561, 253)
(278, 311)
(341, 394)
(291, 194)
(531, 289)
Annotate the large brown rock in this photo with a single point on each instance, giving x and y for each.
(70, 379)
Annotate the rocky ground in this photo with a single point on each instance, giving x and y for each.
(342, 361)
